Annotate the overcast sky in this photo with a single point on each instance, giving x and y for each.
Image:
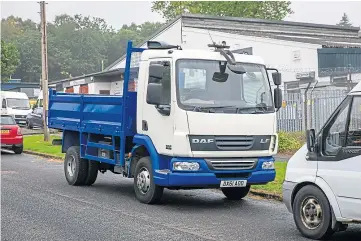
(125, 12)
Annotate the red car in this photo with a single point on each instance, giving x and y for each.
(11, 137)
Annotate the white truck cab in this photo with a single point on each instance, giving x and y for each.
(15, 104)
(322, 185)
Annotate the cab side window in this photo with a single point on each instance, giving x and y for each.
(3, 104)
(166, 82)
(335, 133)
(354, 127)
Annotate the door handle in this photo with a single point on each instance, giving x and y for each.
(144, 125)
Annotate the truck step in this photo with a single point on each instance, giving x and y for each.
(101, 146)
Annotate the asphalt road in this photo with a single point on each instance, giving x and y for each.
(38, 204)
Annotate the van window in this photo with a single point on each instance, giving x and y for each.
(18, 103)
(354, 130)
(3, 104)
(336, 134)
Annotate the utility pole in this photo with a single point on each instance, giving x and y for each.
(44, 69)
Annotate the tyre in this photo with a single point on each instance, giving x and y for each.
(18, 149)
(145, 189)
(312, 213)
(235, 193)
(75, 168)
(93, 167)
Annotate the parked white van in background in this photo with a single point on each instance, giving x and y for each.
(16, 104)
(322, 186)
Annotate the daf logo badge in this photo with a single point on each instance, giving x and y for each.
(202, 141)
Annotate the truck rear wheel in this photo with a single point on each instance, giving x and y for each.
(75, 168)
(145, 189)
(93, 168)
(235, 193)
(312, 213)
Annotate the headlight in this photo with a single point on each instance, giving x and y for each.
(185, 166)
(269, 165)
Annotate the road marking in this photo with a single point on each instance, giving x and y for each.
(9, 172)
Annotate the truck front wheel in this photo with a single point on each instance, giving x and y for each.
(312, 213)
(75, 168)
(145, 189)
(235, 193)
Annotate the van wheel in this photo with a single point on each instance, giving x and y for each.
(235, 193)
(145, 189)
(312, 213)
(93, 167)
(75, 168)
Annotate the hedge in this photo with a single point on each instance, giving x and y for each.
(290, 142)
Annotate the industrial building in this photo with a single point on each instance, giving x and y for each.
(303, 52)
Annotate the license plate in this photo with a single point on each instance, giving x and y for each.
(22, 122)
(5, 131)
(234, 183)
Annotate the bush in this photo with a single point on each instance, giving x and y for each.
(290, 142)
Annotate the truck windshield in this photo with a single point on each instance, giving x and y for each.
(18, 103)
(248, 92)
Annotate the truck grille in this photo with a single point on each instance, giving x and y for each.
(234, 143)
(232, 164)
(20, 116)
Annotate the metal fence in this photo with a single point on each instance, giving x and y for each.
(311, 110)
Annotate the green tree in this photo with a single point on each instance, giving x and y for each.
(77, 44)
(276, 10)
(345, 22)
(10, 59)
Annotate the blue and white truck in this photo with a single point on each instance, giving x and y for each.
(198, 119)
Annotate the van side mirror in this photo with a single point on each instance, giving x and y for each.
(154, 93)
(276, 76)
(311, 140)
(277, 96)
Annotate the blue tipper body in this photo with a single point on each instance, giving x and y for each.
(83, 118)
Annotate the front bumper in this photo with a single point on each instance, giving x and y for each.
(206, 177)
(287, 190)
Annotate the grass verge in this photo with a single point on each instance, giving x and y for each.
(275, 187)
(36, 145)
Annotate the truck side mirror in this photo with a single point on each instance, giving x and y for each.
(154, 93)
(277, 95)
(311, 140)
(156, 71)
(276, 76)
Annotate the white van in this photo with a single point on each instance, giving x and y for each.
(16, 104)
(322, 186)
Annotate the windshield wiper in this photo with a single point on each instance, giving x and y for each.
(209, 108)
(20, 107)
(256, 110)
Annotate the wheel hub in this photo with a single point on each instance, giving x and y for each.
(71, 166)
(143, 180)
(311, 213)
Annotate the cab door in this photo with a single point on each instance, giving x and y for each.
(339, 163)
(158, 121)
